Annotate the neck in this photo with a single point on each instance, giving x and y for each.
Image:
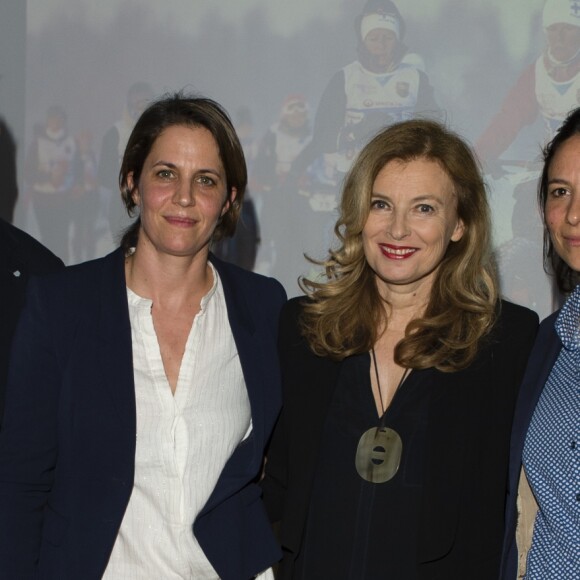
(292, 131)
(562, 71)
(168, 280)
(403, 304)
(377, 64)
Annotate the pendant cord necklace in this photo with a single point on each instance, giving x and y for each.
(379, 450)
(405, 373)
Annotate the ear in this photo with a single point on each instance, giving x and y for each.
(229, 201)
(458, 231)
(134, 191)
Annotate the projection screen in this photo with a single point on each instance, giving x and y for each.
(84, 69)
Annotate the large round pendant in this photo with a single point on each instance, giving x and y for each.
(378, 454)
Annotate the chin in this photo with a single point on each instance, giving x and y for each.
(573, 264)
(177, 250)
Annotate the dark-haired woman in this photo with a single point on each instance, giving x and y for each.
(400, 375)
(546, 434)
(144, 385)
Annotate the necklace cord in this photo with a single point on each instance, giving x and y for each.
(383, 410)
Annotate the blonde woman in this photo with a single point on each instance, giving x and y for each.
(400, 375)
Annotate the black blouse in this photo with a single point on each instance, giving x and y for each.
(355, 529)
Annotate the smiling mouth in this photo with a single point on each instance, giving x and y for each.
(573, 241)
(397, 252)
(180, 221)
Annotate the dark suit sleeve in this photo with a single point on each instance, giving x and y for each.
(28, 441)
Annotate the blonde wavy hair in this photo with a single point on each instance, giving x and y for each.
(345, 312)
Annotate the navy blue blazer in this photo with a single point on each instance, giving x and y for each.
(540, 363)
(67, 446)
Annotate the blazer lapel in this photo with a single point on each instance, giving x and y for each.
(258, 363)
(541, 361)
(114, 330)
(249, 351)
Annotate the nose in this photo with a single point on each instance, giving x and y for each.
(183, 195)
(398, 226)
(573, 211)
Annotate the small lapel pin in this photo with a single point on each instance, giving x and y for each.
(16, 273)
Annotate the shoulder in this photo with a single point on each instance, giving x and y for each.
(413, 60)
(549, 321)
(515, 329)
(547, 330)
(295, 305)
(290, 335)
(514, 323)
(292, 310)
(514, 314)
(233, 272)
(114, 260)
(59, 303)
(76, 284)
(255, 287)
(353, 66)
(410, 70)
(27, 251)
(337, 82)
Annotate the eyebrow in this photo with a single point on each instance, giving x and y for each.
(173, 166)
(558, 180)
(425, 197)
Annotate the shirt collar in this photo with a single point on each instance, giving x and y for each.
(213, 288)
(140, 302)
(568, 321)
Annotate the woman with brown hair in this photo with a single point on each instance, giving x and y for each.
(144, 385)
(400, 374)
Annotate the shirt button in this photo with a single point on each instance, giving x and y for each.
(578, 497)
(573, 445)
